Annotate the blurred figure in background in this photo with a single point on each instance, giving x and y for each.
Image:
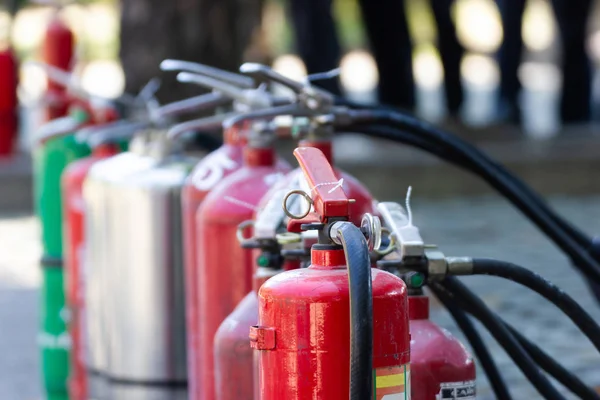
(387, 30)
(571, 15)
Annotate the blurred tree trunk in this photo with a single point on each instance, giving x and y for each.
(214, 32)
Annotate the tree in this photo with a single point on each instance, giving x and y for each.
(214, 32)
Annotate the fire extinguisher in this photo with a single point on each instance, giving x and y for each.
(440, 364)
(339, 328)
(234, 361)
(9, 104)
(224, 270)
(73, 214)
(58, 51)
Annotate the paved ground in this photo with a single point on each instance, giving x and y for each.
(481, 226)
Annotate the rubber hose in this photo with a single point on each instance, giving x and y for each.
(577, 234)
(545, 288)
(428, 146)
(356, 251)
(504, 337)
(483, 355)
(548, 225)
(547, 363)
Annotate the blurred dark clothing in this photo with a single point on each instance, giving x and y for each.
(317, 41)
(571, 17)
(387, 29)
(451, 52)
(511, 12)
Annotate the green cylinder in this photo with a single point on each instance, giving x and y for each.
(50, 159)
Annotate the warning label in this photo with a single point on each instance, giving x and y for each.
(457, 391)
(392, 383)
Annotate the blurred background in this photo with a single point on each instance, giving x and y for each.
(509, 76)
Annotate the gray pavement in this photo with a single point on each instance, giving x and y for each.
(477, 226)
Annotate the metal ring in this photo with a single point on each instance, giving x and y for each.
(239, 233)
(306, 197)
(288, 238)
(390, 248)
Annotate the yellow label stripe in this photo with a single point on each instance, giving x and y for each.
(389, 381)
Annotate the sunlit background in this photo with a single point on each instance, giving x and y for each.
(479, 29)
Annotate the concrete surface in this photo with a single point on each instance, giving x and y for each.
(476, 226)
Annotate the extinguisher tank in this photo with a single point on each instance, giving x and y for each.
(234, 358)
(9, 103)
(74, 247)
(224, 269)
(205, 175)
(303, 335)
(441, 367)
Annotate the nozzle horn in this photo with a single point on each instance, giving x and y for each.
(201, 69)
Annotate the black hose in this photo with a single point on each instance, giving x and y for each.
(487, 169)
(578, 235)
(501, 333)
(554, 368)
(547, 363)
(467, 164)
(481, 351)
(545, 288)
(361, 311)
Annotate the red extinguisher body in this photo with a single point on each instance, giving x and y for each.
(9, 104)
(440, 364)
(234, 358)
(207, 174)
(74, 214)
(58, 50)
(303, 336)
(224, 269)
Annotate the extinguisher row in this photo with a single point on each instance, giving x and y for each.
(224, 273)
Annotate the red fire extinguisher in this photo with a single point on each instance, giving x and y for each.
(9, 104)
(325, 332)
(233, 358)
(58, 50)
(72, 183)
(208, 173)
(224, 270)
(234, 361)
(441, 367)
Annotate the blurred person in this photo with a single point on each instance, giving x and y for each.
(571, 18)
(387, 29)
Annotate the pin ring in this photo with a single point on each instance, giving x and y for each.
(300, 193)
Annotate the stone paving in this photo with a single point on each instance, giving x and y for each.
(480, 226)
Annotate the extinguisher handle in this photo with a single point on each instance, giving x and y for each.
(328, 197)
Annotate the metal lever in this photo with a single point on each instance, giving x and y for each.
(311, 96)
(201, 69)
(198, 103)
(264, 73)
(406, 236)
(328, 197)
(208, 123)
(115, 133)
(255, 97)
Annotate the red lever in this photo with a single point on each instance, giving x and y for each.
(326, 190)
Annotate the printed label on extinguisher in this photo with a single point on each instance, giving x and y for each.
(457, 391)
(392, 383)
(212, 171)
